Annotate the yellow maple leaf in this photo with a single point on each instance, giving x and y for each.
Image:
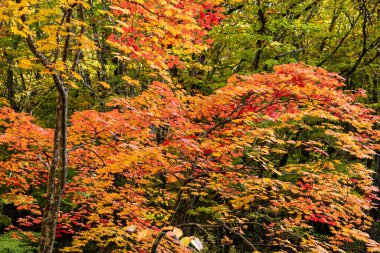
(104, 84)
(25, 64)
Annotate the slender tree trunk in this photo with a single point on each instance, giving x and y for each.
(375, 229)
(336, 13)
(377, 170)
(58, 169)
(261, 32)
(375, 91)
(10, 83)
(59, 165)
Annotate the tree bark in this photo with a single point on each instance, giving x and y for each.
(59, 162)
(55, 186)
(10, 83)
(261, 32)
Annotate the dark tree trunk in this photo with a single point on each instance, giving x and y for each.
(261, 31)
(10, 83)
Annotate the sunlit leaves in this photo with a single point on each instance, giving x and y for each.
(279, 152)
(162, 34)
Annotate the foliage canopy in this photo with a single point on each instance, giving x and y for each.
(155, 129)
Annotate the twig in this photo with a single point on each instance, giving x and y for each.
(245, 240)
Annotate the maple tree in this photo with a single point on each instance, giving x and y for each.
(58, 40)
(271, 162)
(341, 36)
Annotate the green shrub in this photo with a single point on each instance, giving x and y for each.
(5, 221)
(12, 245)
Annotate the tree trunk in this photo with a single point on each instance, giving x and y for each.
(10, 83)
(59, 164)
(261, 32)
(55, 186)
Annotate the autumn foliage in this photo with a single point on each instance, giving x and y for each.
(163, 34)
(272, 162)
